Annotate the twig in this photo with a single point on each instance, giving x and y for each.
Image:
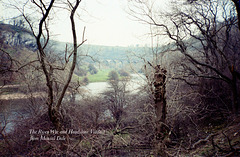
(202, 141)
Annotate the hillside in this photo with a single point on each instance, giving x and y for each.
(105, 58)
(20, 36)
(16, 36)
(222, 140)
(105, 53)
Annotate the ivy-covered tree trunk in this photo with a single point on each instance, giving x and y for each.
(159, 93)
(161, 110)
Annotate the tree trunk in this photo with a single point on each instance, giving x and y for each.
(159, 95)
(160, 110)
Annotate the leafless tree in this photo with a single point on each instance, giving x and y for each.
(42, 36)
(236, 4)
(205, 34)
(202, 52)
(116, 97)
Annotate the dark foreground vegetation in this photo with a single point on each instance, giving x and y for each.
(188, 106)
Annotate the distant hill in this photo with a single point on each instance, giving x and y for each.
(102, 52)
(13, 29)
(16, 36)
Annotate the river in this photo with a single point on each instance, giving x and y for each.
(96, 88)
(12, 107)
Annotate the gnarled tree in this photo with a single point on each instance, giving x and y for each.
(45, 13)
(205, 33)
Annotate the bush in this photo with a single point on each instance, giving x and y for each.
(123, 73)
(92, 69)
(113, 76)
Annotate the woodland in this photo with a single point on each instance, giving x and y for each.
(187, 103)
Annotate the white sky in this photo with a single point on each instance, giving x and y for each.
(107, 23)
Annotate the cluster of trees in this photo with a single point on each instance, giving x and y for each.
(83, 72)
(50, 67)
(188, 81)
(201, 62)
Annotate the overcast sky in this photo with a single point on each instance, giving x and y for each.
(106, 21)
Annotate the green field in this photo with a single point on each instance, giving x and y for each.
(101, 76)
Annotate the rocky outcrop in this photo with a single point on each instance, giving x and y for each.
(16, 36)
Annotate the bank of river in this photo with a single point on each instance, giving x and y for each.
(12, 105)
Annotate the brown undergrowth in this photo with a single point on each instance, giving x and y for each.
(222, 140)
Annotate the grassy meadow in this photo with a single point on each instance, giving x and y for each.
(101, 76)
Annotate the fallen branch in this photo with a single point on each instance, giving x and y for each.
(202, 141)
